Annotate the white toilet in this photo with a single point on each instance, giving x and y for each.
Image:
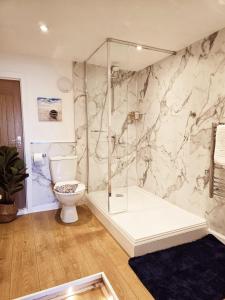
(63, 172)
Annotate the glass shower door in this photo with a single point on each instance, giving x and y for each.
(115, 89)
(111, 89)
(97, 126)
(122, 88)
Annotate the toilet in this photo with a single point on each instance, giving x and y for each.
(63, 174)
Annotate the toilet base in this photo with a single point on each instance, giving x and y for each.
(69, 214)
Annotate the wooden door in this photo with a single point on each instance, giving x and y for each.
(11, 124)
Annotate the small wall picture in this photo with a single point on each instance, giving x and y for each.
(49, 109)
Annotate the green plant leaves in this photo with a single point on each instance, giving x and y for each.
(14, 170)
(19, 164)
(12, 173)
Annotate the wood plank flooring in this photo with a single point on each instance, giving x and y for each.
(37, 252)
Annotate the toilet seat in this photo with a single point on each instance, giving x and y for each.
(80, 188)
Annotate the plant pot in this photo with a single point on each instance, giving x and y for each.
(8, 212)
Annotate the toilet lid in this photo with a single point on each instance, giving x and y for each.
(80, 186)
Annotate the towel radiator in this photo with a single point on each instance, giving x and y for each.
(216, 184)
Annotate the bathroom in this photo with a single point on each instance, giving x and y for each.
(134, 133)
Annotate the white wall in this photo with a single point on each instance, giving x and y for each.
(39, 79)
(40, 76)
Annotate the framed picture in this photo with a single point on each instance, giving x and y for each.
(49, 109)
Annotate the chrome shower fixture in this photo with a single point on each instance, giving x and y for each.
(114, 70)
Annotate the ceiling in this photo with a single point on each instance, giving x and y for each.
(77, 27)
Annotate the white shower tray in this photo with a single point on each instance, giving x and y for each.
(150, 223)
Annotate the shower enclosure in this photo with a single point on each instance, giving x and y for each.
(113, 115)
(115, 87)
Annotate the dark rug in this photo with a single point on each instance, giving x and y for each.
(193, 271)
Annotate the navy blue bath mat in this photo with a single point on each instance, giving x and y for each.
(193, 271)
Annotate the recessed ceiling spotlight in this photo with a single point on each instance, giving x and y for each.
(139, 47)
(43, 27)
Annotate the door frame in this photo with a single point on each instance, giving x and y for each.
(26, 134)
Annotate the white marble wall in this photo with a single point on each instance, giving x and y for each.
(124, 101)
(80, 121)
(123, 141)
(42, 193)
(168, 150)
(182, 96)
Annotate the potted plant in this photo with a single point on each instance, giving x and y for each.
(12, 176)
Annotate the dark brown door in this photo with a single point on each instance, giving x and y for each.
(11, 124)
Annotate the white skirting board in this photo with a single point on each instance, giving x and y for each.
(218, 235)
(22, 211)
(45, 207)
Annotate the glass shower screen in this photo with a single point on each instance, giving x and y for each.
(120, 95)
(113, 100)
(97, 121)
(115, 95)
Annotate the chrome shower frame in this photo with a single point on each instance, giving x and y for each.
(108, 41)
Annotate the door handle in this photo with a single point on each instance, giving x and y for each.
(17, 141)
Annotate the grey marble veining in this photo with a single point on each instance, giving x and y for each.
(183, 95)
(167, 150)
(123, 135)
(80, 121)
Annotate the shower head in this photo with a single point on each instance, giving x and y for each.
(115, 67)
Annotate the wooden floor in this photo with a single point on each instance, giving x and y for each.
(37, 251)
